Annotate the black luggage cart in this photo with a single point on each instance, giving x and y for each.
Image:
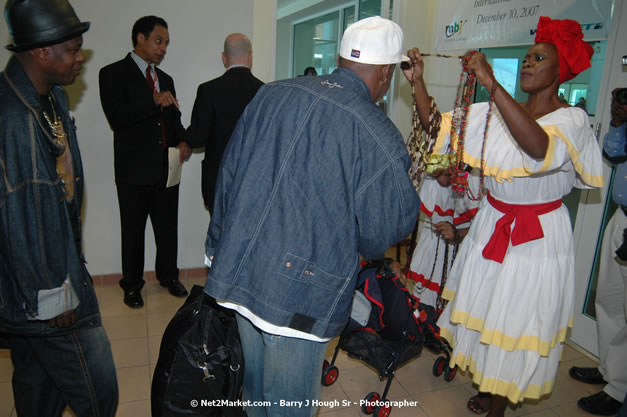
(369, 343)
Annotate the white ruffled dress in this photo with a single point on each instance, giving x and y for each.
(506, 321)
(438, 204)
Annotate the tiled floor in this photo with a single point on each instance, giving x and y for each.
(135, 336)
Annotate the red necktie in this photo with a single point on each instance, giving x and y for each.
(153, 85)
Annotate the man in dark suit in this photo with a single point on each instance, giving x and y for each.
(140, 103)
(218, 106)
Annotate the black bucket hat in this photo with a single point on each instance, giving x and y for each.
(36, 23)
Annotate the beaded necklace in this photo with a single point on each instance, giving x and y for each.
(421, 142)
(465, 93)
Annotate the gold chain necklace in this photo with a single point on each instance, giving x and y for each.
(63, 157)
(56, 125)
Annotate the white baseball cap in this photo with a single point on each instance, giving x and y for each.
(374, 40)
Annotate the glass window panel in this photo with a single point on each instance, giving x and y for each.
(316, 44)
(506, 62)
(562, 94)
(348, 18)
(579, 95)
(316, 41)
(369, 8)
(505, 72)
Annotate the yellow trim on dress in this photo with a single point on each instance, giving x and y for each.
(503, 388)
(595, 181)
(465, 319)
(448, 294)
(507, 175)
(445, 127)
(525, 342)
(497, 386)
(503, 341)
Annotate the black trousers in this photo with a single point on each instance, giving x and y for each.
(137, 202)
(208, 182)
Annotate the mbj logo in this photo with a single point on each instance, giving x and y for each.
(453, 29)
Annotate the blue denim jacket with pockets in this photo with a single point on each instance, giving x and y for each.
(314, 175)
(42, 271)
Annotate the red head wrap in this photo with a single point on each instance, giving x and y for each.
(574, 53)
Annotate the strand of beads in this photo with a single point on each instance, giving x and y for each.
(464, 98)
(422, 141)
(465, 92)
(482, 189)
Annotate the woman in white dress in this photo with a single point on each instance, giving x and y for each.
(445, 218)
(511, 288)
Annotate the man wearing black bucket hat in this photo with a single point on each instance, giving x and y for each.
(49, 315)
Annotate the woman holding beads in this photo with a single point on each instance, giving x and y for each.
(511, 288)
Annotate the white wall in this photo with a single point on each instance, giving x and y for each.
(264, 39)
(197, 31)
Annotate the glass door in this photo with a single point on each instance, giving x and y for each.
(316, 40)
(316, 44)
(592, 221)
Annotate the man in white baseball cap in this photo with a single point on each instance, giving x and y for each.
(375, 41)
(315, 175)
(371, 48)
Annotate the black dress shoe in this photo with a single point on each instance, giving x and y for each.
(600, 404)
(176, 288)
(133, 298)
(587, 375)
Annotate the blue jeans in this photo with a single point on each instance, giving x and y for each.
(73, 369)
(283, 371)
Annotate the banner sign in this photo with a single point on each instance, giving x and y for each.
(473, 24)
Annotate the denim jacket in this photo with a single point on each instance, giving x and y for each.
(42, 271)
(314, 175)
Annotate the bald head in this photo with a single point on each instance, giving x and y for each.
(237, 50)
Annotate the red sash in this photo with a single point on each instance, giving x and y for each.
(527, 227)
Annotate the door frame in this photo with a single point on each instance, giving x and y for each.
(588, 225)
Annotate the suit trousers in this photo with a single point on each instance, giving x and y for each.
(137, 202)
(611, 309)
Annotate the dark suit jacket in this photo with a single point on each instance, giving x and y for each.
(128, 103)
(218, 106)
